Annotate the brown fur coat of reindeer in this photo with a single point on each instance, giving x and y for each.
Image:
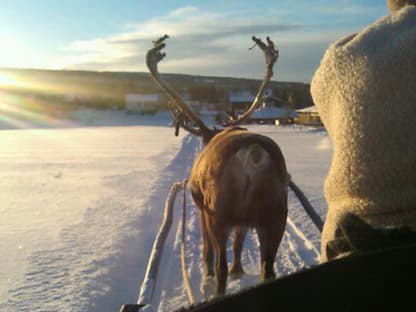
(238, 181)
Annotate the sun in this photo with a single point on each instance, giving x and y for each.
(6, 81)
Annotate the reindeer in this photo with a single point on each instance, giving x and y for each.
(238, 181)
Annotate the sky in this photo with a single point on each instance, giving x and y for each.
(206, 37)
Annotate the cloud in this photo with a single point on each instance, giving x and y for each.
(205, 43)
(184, 11)
(348, 8)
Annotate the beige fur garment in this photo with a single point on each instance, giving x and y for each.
(365, 91)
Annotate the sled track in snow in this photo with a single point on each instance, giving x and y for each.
(296, 251)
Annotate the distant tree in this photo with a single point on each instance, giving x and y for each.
(280, 92)
(203, 92)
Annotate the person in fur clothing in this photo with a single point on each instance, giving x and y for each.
(365, 92)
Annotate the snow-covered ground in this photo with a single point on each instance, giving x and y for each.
(80, 208)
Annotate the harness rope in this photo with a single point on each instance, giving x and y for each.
(185, 276)
(313, 215)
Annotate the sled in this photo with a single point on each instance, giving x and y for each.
(381, 280)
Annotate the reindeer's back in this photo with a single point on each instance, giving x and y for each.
(238, 170)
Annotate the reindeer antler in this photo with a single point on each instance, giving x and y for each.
(271, 54)
(153, 57)
(181, 112)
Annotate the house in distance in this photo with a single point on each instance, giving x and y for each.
(309, 116)
(143, 103)
(274, 111)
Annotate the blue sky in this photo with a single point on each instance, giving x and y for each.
(207, 37)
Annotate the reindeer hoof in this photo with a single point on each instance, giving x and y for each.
(207, 287)
(269, 277)
(236, 270)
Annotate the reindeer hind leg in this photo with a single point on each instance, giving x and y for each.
(269, 238)
(238, 242)
(218, 235)
(221, 267)
(207, 250)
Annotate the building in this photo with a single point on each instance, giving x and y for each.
(239, 101)
(309, 116)
(274, 111)
(142, 103)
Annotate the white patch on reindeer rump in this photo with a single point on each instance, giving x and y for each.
(248, 164)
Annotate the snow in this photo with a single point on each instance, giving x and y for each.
(81, 203)
(309, 109)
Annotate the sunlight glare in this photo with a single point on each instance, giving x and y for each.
(14, 53)
(6, 81)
